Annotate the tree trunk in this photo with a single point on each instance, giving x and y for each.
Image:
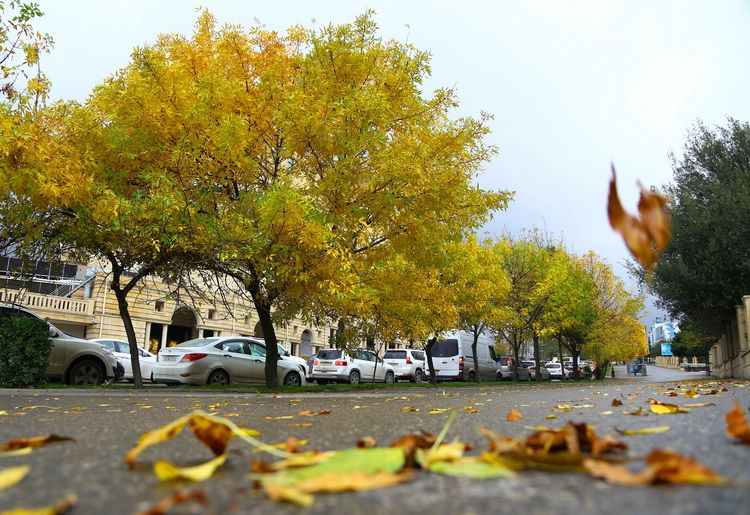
(475, 333)
(559, 355)
(516, 348)
(537, 373)
(428, 350)
(122, 306)
(576, 370)
(269, 335)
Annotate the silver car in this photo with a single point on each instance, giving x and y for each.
(72, 359)
(220, 361)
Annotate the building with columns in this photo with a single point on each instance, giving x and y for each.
(77, 299)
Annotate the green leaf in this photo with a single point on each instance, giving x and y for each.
(353, 460)
(472, 468)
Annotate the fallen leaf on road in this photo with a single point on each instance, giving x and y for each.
(663, 408)
(163, 506)
(514, 415)
(438, 411)
(617, 474)
(644, 431)
(409, 409)
(36, 441)
(471, 409)
(472, 467)
(279, 417)
(674, 468)
(616, 402)
(302, 424)
(550, 417)
(167, 471)
(608, 412)
(635, 412)
(12, 476)
(699, 405)
(17, 452)
(366, 442)
(56, 509)
(737, 426)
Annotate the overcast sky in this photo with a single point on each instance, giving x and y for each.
(573, 85)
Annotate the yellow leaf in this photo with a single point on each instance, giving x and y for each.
(36, 441)
(56, 509)
(644, 431)
(167, 471)
(514, 415)
(12, 476)
(438, 411)
(18, 452)
(667, 409)
(444, 452)
(737, 425)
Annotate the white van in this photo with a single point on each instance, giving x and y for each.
(454, 361)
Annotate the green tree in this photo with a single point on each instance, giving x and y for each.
(704, 270)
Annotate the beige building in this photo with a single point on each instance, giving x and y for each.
(85, 306)
(730, 357)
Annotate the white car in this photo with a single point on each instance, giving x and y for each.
(557, 371)
(336, 366)
(221, 361)
(406, 363)
(286, 355)
(121, 350)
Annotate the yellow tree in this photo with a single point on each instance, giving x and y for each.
(303, 158)
(528, 265)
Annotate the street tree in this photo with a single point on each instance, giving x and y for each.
(317, 152)
(703, 272)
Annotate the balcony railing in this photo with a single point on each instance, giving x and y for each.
(35, 301)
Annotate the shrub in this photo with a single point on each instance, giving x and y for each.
(25, 347)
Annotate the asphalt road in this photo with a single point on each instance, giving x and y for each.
(106, 424)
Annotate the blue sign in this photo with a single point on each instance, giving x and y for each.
(666, 349)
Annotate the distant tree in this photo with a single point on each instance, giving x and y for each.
(704, 271)
(688, 343)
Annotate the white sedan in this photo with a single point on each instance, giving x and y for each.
(221, 361)
(121, 350)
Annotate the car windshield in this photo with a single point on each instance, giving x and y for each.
(282, 351)
(198, 342)
(329, 354)
(445, 348)
(395, 354)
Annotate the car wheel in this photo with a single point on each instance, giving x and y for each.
(292, 379)
(417, 376)
(389, 378)
(218, 378)
(354, 377)
(86, 371)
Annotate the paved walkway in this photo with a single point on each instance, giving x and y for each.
(658, 374)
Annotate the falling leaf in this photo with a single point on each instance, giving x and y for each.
(56, 509)
(646, 237)
(644, 431)
(163, 506)
(12, 476)
(36, 441)
(514, 415)
(737, 426)
(167, 471)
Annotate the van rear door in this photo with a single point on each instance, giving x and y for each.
(447, 359)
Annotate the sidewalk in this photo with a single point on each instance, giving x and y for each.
(657, 374)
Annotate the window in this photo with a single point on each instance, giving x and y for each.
(492, 353)
(419, 355)
(123, 347)
(159, 305)
(395, 354)
(212, 314)
(329, 354)
(445, 348)
(256, 349)
(235, 347)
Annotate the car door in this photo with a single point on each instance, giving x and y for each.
(257, 353)
(121, 351)
(147, 361)
(236, 361)
(492, 365)
(378, 366)
(364, 364)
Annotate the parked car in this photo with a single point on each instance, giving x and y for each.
(556, 371)
(337, 366)
(72, 359)
(310, 362)
(220, 361)
(286, 355)
(121, 350)
(407, 363)
(453, 359)
(508, 366)
(531, 365)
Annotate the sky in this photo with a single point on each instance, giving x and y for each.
(573, 85)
